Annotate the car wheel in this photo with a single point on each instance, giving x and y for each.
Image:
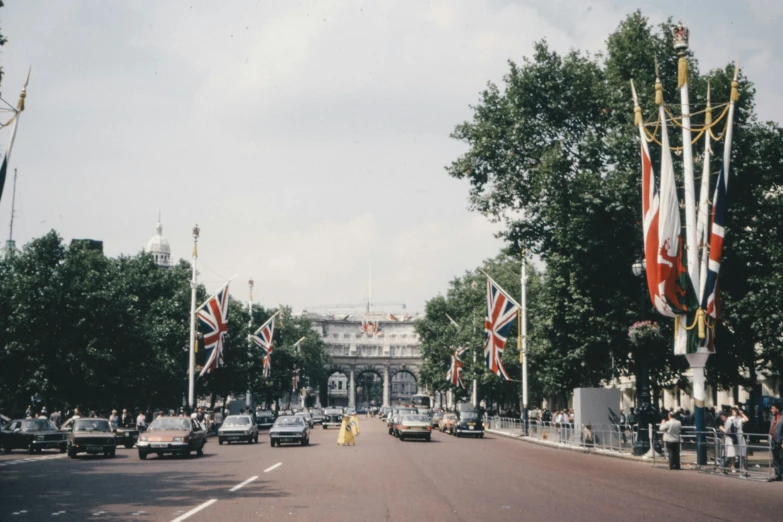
(220, 442)
(38, 450)
(128, 445)
(30, 449)
(324, 426)
(305, 442)
(6, 450)
(71, 454)
(112, 453)
(200, 451)
(273, 443)
(429, 438)
(402, 439)
(481, 436)
(143, 455)
(63, 449)
(255, 440)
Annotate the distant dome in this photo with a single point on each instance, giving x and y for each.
(159, 247)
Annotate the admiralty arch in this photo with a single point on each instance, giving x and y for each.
(369, 351)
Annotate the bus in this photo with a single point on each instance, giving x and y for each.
(421, 402)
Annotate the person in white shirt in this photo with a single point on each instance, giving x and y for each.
(671, 437)
(141, 421)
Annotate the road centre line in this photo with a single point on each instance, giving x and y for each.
(195, 510)
(270, 468)
(245, 483)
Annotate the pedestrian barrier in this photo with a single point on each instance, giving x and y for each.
(750, 457)
(345, 436)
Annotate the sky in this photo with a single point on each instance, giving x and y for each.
(307, 139)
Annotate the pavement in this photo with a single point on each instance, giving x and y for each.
(380, 478)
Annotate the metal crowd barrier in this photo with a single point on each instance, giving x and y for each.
(750, 457)
(607, 437)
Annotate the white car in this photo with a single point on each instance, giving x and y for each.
(238, 428)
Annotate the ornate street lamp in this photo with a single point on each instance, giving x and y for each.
(644, 408)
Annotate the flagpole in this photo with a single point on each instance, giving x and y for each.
(193, 284)
(17, 114)
(248, 401)
(522, 338)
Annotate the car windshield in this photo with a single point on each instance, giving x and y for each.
(92, 425)
(264, 414)
(170, 423)
(302, 414)
(469, 415)
(237, 421)
(289, 421)
(415, 418)
(449, 416)
(334, 412)
(37, 425)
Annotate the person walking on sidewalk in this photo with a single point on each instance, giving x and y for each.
(776, 435)
(671, 437)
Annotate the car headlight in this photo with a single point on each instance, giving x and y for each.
(177, 439)
(143, 439)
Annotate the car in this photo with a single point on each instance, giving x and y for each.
(173, 435)
(414, 427)
(468, 423)
(238, 428)
(264, 419)
(289, 428)
(318, 415)
(397, 417)
(435, 419)
(126, 436)
(32, 435)
(332, 417)
(446, 423)
(91, 435)
(384, 411)
(306, 416)
(361, 411)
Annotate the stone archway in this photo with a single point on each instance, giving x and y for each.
(369, 386)
(403, 384)
(334, 389)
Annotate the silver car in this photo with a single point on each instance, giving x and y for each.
(318, 416)
(307, 417)
(289, 429)
(238, 428)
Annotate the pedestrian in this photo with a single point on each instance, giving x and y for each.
(671, 437)
(76, 414)
(141, 421)
(114, 420)
(218, 418)
(633, 419)
(28, 414)
(43, 413)
(55, 418)
(776, 436)
(736, 448)
(126, 420)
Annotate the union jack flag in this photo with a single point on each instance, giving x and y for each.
(263, 339)
(501, 312)
(454, 375)
(214, 316)
(710, 302)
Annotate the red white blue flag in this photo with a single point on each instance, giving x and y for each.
(501, 312)
(296, 378)
(454, 375)
(710, 302)
(263, 339)
(213, 316)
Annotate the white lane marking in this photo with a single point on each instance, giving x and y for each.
(270, 468)
(245, 483)
(34, 459)
(195, 510)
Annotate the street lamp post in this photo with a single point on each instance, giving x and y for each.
(643, 403)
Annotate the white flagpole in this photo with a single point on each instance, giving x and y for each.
(702, 231)
(17, 115)
(193, 285)
(523, 339)
(248, 401)
(266, 322)
(202, 305)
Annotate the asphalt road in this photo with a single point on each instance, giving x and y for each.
(380, 478)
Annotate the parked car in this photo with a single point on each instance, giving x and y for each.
(306, 416)
(318, 415)
(126, 436)
(91, 435)
(384, 412)
(238, 428)
(264, 419)
(289, 428)
(414, 427)
(468, 423)
(32, 435)
(435, 419)
(332, 417)
(446, 423)
(174, 435)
